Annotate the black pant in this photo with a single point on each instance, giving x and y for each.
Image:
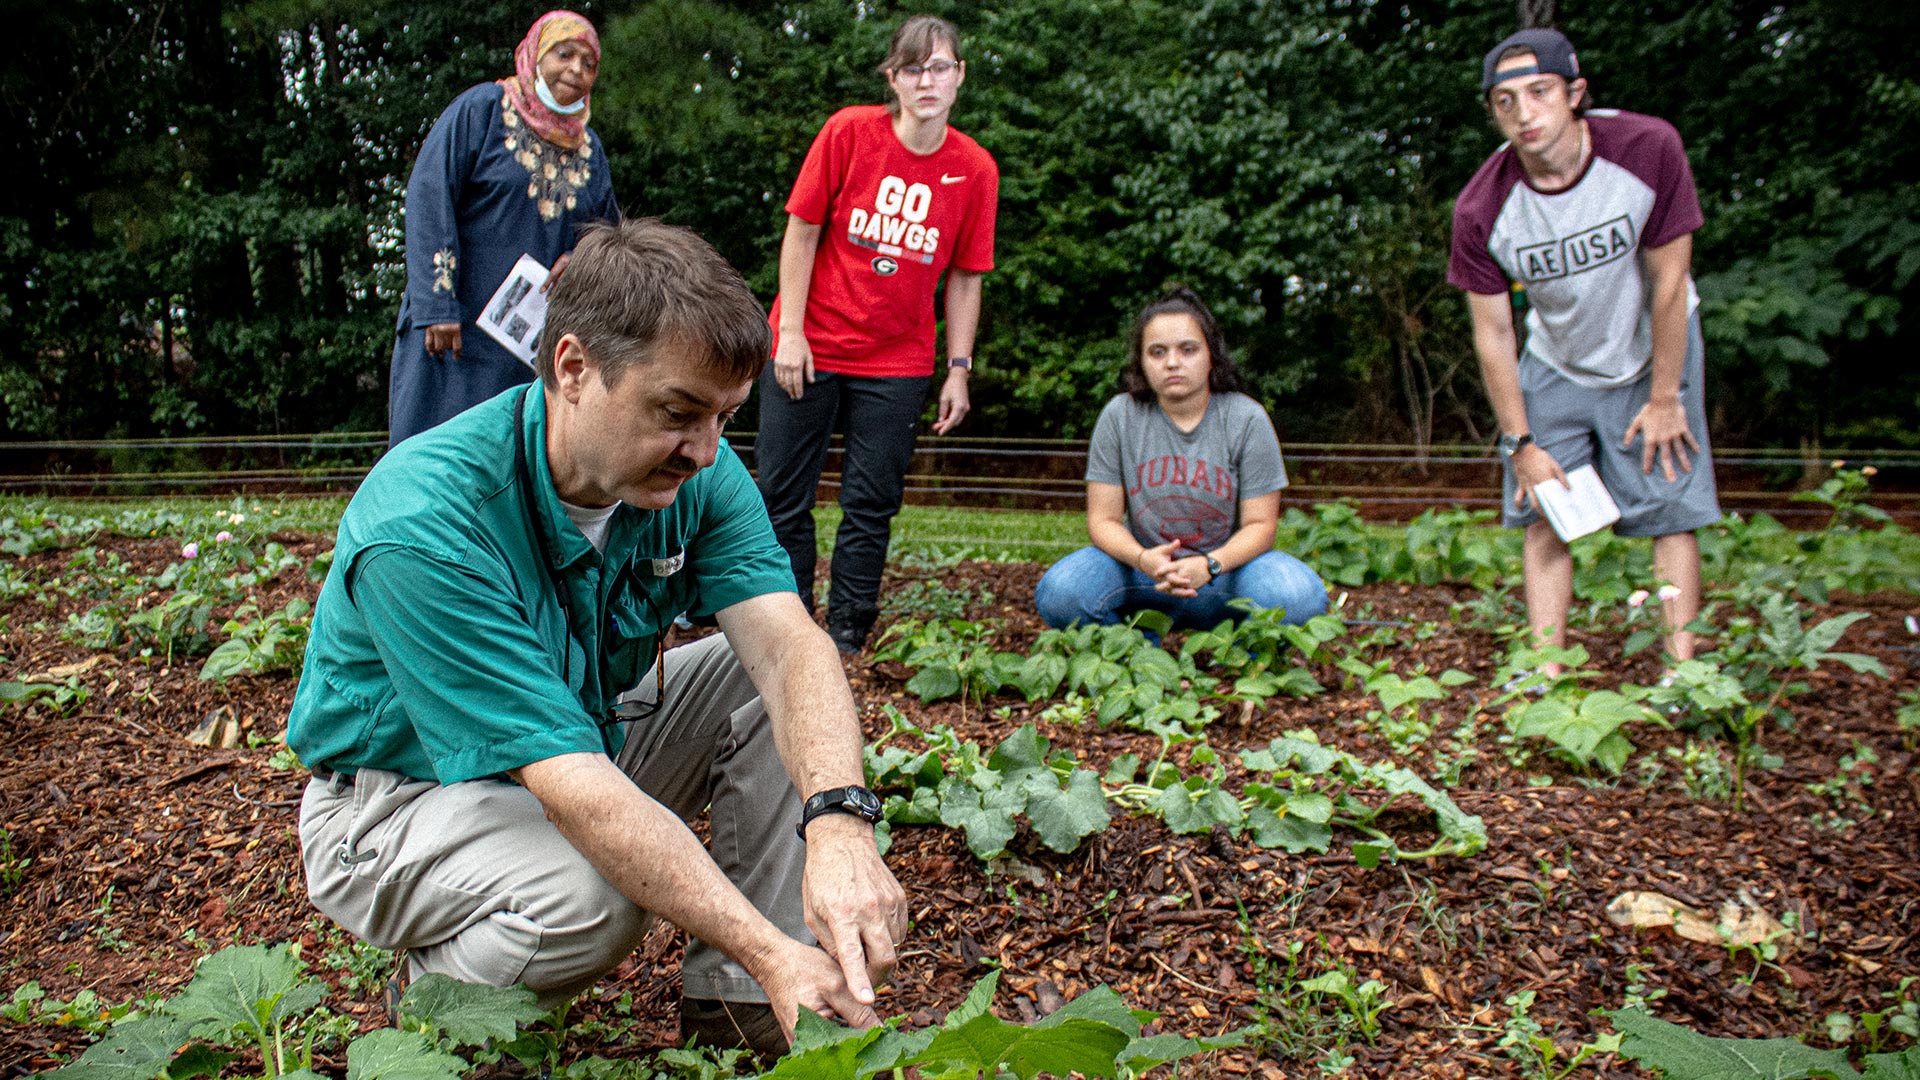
(881, 420)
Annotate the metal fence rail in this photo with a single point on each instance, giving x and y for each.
(1387, 480)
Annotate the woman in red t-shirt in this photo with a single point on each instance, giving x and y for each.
(889, 198)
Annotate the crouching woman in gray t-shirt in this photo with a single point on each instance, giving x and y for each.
(1183, 490)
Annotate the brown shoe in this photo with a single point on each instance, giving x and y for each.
(729, 1024)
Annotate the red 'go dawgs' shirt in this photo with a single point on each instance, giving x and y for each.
(893, 221)
(1577, 251)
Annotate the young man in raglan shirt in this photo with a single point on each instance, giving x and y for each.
(1592, 212)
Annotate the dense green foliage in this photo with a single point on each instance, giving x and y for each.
(206, 238)
(259, 999)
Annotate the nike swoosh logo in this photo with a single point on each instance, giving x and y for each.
(945, 179)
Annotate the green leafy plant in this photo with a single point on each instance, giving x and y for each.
(259, 998)
(1908, 717)
(1845, 494)
(1304, 1015)
(1740, 686)
(1313, 788)
(1309, 790)
(1845, 790)
(1684, 1054)
(1536, 1052)
(107, 935)
(1399, 718)
(13, 866)
(1265, 655)
(1095, 1034)
(950, 657)
(1584, 725)
(1875, 1029)
(933, 600)
(985, 797)
(277, 642)
(87, 1012)
(64, 696)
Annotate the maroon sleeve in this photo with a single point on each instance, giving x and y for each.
(1652, 151)
(1471, 265)
(975, 251)
(813, 190)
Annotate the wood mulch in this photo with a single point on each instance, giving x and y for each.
(148, 851)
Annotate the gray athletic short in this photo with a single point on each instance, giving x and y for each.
(1582, 425)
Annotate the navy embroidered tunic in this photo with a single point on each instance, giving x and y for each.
(484, 190)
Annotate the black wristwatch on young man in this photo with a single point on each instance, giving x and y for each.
(1512, 444)
(852, 799)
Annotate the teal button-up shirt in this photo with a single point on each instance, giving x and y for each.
(441, 648)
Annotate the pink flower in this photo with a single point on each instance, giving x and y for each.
(192, 550)
(1669, 593)
(1868, 470)
(1637, 598)
(1839, 463)
(222, 536)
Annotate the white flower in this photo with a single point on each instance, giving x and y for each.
(1637, 598)
(1669, 593)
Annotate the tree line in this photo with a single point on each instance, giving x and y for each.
(202, 234)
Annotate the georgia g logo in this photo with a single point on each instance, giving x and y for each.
(884, 266)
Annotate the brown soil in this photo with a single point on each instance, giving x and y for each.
(199, 849)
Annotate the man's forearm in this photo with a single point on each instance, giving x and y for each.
(647, 852)
(1668, 268)
(1669, 344)
(1498, 349)
(797, 670)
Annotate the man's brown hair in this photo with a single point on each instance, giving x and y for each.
(639, 285)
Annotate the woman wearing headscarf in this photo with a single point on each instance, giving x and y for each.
(510, 168)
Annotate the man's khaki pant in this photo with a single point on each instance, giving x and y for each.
(475, 883)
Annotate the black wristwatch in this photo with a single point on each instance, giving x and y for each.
(1213, 568)
(854, 800)
(1512, 444)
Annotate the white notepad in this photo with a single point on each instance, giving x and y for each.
(1583, 506)
(518, 309)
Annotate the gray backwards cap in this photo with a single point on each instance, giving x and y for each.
(1552, 55)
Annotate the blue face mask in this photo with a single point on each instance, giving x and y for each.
(546, 98)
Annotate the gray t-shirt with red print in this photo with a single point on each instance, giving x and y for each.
(1577, 251)
(1186, 485)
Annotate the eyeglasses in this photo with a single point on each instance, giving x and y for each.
(939, 69)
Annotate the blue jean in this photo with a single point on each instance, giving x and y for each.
(1090, 586)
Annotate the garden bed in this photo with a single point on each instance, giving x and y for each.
(134, 851)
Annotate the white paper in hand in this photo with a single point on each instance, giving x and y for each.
(1583, 506)
(518, 309)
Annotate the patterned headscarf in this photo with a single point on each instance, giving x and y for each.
(549, 30)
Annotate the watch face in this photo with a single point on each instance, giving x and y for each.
(864, 802)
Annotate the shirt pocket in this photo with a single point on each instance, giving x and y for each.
(639, 614)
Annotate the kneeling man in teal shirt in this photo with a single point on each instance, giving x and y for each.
(503, 756)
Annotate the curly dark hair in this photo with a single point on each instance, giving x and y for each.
(1224, 376)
